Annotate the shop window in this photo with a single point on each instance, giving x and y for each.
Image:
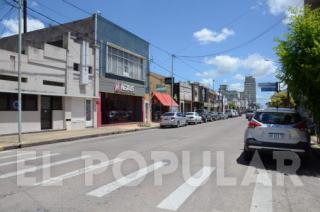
(56, 103)
(90, 69)
(9, 102)
(12, 78)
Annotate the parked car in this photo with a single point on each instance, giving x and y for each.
(173, 119)
(215, 116)
(193, 118)
(231, 113)
(276, 129)
(204, 114)
(249, 114)
(222, 115)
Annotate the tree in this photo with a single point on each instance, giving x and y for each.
(281, 99)
(299, 55)
(232, 105)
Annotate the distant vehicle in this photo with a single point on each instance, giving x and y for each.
(193, 118)
(249, 114)
(204, 114)
(278, 129)
(173, 119)
(231, 113)
(222, 115)
(215, 116)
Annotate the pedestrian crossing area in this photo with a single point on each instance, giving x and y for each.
(175, 199)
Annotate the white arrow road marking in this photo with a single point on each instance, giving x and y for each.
(16, 155)
(181, 194)
(23, 160)
(35, 168)
(262, 195)
(106, 189)
(78, 172)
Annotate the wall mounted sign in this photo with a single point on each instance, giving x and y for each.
(120, 87)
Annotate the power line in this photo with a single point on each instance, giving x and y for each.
(52, 10)
(75, 6)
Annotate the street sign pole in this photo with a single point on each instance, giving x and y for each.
(172, 83)
(19, 72)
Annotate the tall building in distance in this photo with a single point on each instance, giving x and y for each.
(250, 90)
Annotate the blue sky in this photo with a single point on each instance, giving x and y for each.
(189, 28)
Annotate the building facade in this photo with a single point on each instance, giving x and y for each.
(183, 96)
(60, 84)
(123, 65)
(250, 90)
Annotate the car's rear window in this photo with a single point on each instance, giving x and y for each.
(277, 118)
(168, 114)
(189, 113)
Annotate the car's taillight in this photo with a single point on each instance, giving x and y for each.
(301, 126)
(254, 124)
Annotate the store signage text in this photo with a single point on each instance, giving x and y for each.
(120, 87)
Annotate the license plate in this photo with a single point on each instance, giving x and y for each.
(276, 135)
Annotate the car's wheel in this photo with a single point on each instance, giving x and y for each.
(178, 124)
(247, 155)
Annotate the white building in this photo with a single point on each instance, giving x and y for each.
(60, 83)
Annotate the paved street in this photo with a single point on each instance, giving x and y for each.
(204, 189)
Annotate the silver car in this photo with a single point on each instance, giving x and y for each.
(193, 118)
(279, 129)
(173, 119)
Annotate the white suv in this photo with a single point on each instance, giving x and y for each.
(279, 129)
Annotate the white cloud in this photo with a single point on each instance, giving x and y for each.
(277, 7)
(259, 65)
(12, 26)
(205, 36)
(236, 86)
(239, 77)
(225, 64)
(207, 82)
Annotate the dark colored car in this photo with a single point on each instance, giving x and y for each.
(204, 115)
(249, 114)
(215, 116)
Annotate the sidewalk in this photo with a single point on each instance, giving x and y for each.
(41, 138)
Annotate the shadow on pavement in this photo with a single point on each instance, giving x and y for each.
(309, 166)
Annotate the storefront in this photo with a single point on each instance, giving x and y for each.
(161, 103)
(122, 102)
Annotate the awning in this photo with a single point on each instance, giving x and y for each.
(165, 99)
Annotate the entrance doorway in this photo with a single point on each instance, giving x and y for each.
(46, 113)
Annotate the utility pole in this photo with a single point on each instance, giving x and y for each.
(172, 83)
(25, 16)
(19, 72)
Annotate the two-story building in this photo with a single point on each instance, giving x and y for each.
(60, 82)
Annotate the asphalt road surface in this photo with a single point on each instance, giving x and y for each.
(195, 168)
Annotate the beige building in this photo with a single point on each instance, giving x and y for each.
(60, 82)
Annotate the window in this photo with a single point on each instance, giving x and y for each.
(124, 64)
(90, 69)
(12, 78)
(53, 83)
(9, 102)
(76, 66)
(277, 118)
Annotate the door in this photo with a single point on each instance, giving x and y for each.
(46, 113)
(89, 113)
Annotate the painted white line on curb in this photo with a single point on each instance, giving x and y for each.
(35, 168)
(78, 172)
(262, 195)
(7, 151)
(106, 189)
(16, 155)
(182, 193)
(23, 160)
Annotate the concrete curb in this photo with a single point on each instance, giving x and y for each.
(23, 145)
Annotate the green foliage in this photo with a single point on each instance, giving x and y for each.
(232, 105)
(299, 55)
(281, 99)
